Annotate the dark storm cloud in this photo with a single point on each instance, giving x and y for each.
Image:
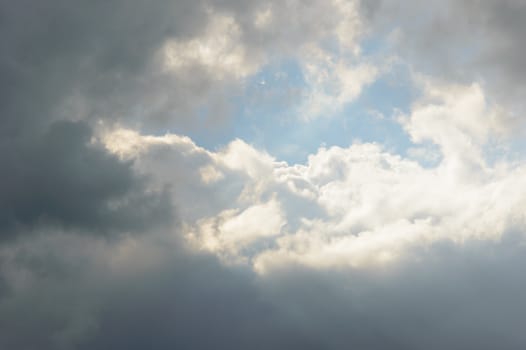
(57, 177)
(99, 50)
(61, 60)
(448, 297)
(457, 298)
(98, 59)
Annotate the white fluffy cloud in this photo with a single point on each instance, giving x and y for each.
(219, 50)
(355, 206)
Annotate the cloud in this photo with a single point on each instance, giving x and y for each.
(219, 49)
(158, 66)
(462, 41)
(333, 84)
(460, 120)
(232, 231)
(355, 206)
(76, 68)
(116, 235)
(147, 291)
(59, 178)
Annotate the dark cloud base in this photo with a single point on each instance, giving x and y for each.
(451, 297)
(57, 178)
(458, 298)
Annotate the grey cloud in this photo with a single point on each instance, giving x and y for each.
(58, 178)
(97, 60)
(97, 54)
(447, 297)
(58, 289)
(462, 40)
(98, 50)
(69, 61)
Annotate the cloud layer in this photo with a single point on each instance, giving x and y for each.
(118, 230)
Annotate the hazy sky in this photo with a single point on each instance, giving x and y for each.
(238, 174)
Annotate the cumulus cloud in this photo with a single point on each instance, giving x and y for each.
(355, 206)
(231, 230)
(115, 234)
(132, 64)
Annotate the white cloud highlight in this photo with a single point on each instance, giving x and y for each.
(219, 50)
(356, 206)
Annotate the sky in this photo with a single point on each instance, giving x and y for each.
(227, 174)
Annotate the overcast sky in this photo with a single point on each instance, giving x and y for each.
(239, 174)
